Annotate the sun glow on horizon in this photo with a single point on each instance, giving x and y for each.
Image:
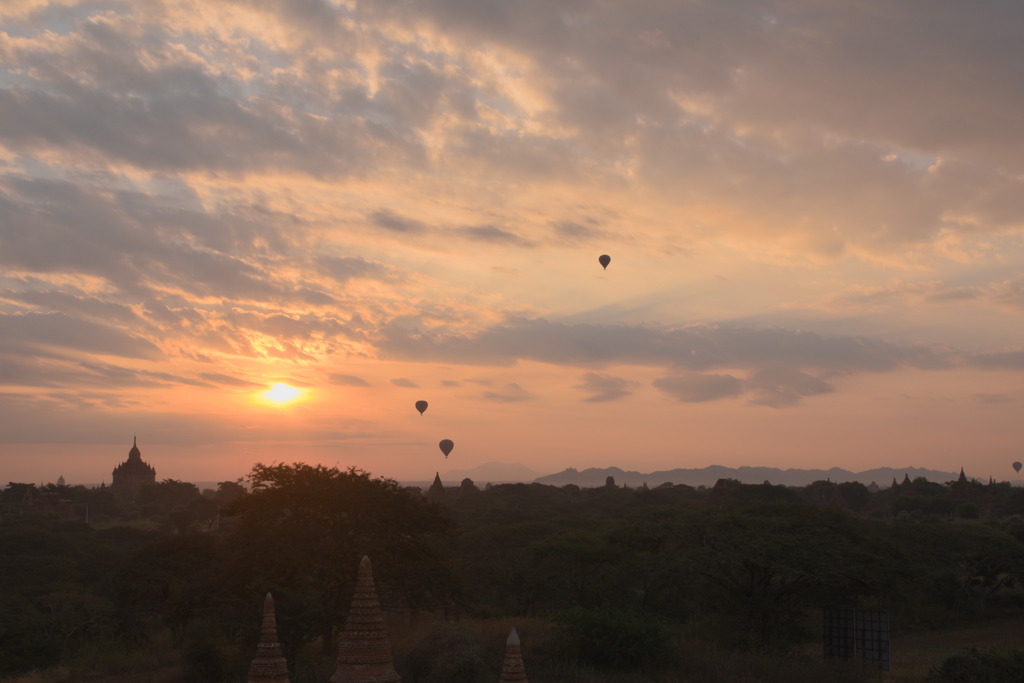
(280, 392)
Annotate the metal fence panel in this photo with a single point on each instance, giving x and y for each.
(857, 634)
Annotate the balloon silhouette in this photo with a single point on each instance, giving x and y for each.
(604, 260)
(446, 446)
(421, 406)
(1017, 466)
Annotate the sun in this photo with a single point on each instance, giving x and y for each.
(282, 393)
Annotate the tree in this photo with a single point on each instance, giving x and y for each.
(227, 492)
(761, 566)
(612, 639)
(169, 494)
(968, 510)
(302, 530)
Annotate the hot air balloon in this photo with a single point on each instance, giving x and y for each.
(1017, 466)
(421, 406)
(446, 446)
(604, 260)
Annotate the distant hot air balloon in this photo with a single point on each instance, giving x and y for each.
(446, 446)
(604, 260)
(421, 406)
(1017, 466)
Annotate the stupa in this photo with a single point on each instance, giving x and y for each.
(513, 669)
(364, 651)
(268, 666)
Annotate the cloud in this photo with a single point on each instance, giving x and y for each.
(603, 387)
(995, 398)
(997, 360)
(510, 393)
(494, 235)
(393, 222)
(106, 89)
(404, 382)
(695, 347)
(92, 418)
(1009, 293)
(576, 231)
(61, 370)
(1003, 293)
(128, 238)
(288, 326)
(897, 291)
(72, 302)
(170, 190)
(43, 333)
(783, 365)
(695, 387)
(344, 268)
(773, 113)
(230, 380)
(348, 380)
(780, 387)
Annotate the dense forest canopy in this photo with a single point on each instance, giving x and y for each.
(743, 564)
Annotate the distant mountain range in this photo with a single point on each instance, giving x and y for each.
(707, 476)
(499, 473)
(492, 473)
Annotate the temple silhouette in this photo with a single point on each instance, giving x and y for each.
(131, 475)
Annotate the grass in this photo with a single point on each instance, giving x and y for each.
(914, 654)
(695, 660)
(158, 663)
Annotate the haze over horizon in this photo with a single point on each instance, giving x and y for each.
(814, 215)
(593, 477)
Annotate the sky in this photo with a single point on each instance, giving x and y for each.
(814, 213)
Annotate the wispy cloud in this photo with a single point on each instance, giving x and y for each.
(602, 387)
(348, 380)
(510, 393)
(696, 387)
(698, 347)
(490, 233)
(220, 378)
(391, 221)
(44, 333)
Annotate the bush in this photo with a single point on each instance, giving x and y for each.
(448, 654)
(204, 663)
(613, 639)
(975, 666)
(968, 511)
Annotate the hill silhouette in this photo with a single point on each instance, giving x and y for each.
(494, 472)
(707, 476)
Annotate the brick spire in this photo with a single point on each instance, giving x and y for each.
(268, 666)
(364, 652)
(436, 491)
(512, 670)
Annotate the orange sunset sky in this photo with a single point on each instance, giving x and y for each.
(814, 212)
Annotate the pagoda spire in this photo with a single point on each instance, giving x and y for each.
(269, 665)
(364, 651)
(512, 670)
(436, 492)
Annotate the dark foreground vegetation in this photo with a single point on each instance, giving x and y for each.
(603, 585)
